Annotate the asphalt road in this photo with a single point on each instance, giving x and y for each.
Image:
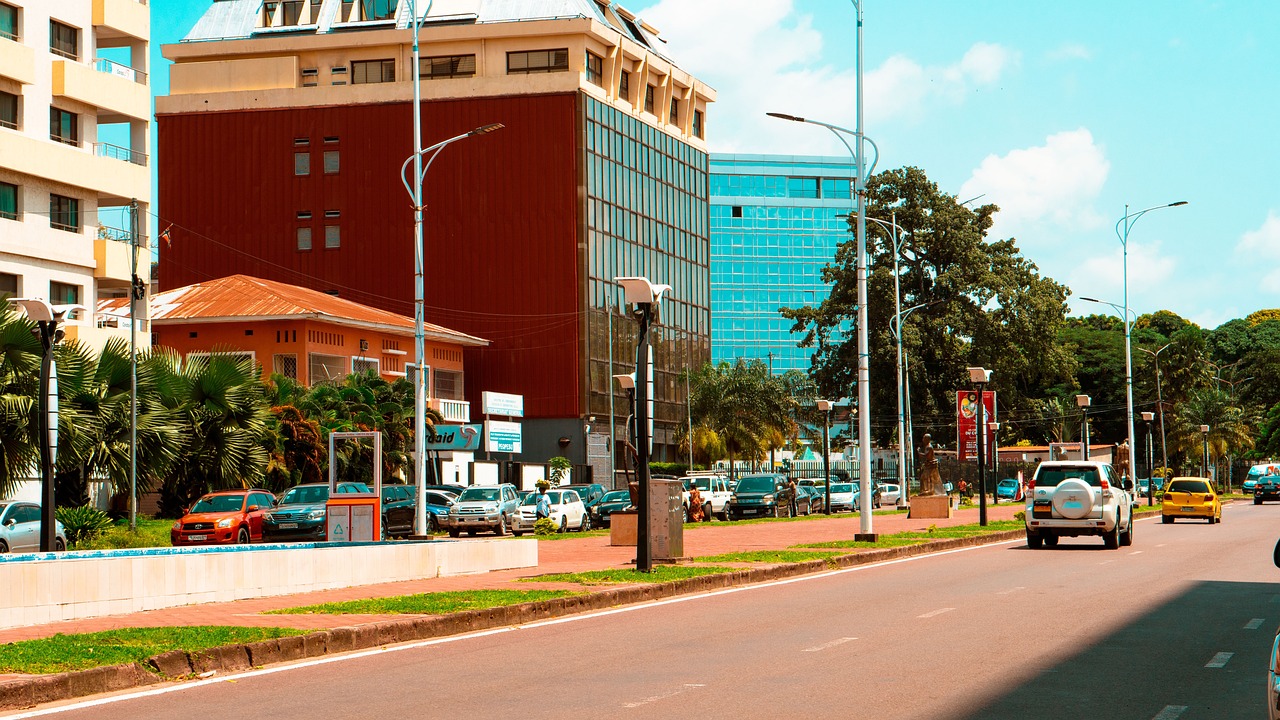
(1176, 627)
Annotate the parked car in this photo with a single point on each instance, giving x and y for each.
(20, 529)
(889, 494)
(1081, 497)
(300, 514)
(611, 503)
(1246, 487)
(219, 518)
(1007, 489)
(842, 496)
(567, 511)
(816, 498)
(1266, 482)
(761, 495)
(590, 495)
(483, 508)
(1190, 497)
(715, 492)
(399, 514)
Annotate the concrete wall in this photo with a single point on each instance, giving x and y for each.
(44, 588)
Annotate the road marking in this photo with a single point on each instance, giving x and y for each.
(1162, 545)
(1136, 552)
(1219, 660)
(936, 613)
(1170, 712)
(1253, 624)
(828, 646)
(1012, 590)
(655, 698)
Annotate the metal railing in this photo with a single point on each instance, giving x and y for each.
(111, 67)
(120, 153)
(107, 232)
(65, 140)
(6, 35)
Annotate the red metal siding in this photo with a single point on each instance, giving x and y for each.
(501, 228)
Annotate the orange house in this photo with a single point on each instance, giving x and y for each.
(305, 334)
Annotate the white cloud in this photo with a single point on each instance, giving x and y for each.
(771, 59)
(1056, 182)
(1070, 51)
(1262, 248)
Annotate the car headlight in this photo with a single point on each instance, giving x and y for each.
(177, 524)
(224, 523)
(269, 517)
(316, 514)
(767, 498)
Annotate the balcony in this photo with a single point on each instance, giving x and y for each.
(453, 411)
(120, 153)
(107, 89)
(120, 18)
(109, 177)
(111, 258)
(17, 61)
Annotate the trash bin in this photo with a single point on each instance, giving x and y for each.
(666, 519)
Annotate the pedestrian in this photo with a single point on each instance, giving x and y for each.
(695, 504)
(795, 503)
(543, 507)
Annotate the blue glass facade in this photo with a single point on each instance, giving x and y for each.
(775, 222)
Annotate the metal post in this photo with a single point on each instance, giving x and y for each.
(982, 460)
(911, 433)
(826, 459)
(864, 357)
(48, 435)
(1128, 351)
(419, 329)
(644, 560)
(688, 393)
(1204, 457)
(903, 491)
(613, 432)
(133, 364)
(1151, 492)
(995, 463)
(1084, 434)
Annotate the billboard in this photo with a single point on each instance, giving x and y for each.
(967, 423)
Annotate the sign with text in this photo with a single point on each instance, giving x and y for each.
(492, 403)
(503, 436)
(455, 437)
(967, 423)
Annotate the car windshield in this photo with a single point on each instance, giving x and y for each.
(756, 484)
(1008, 483)
(481, 494)
(306, 495)
(1189, 486)
(436, 498)
(218, 503)
(616, 496)
(1052, 477)
(702, 483)
(841, 487)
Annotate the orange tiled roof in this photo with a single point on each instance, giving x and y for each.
(241, 298)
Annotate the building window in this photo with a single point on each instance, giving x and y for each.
(304, 238)
(675, 112)
(595, 69)
(8, 22)
(325, 368)
(63, 293)
(624, 86)
(447, 66)
(8, 110)
(378, 9)
(8, 201)
(302, 163)
(332, 236)
(648, 98)
(802, 187)
(64, 213)
(64, 40)
(64, 126)
(448, 385)
(538, 61)
(361, 365)
(697, 124)
(286, 365)
(9, 284)
(373, 71)
(301, 142)
(333, 213)
(304, 214)
(338, 75)
(331, 162)
(737, 211)
(836, 188)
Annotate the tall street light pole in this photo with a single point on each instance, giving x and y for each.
(824, 406)
(904, 389)
(1164, 451)
(1147, 417)
(980, 377)
(1084, 402)
(1204, 457)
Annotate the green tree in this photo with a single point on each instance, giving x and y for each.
(1230, 429)
(19, 383)
(742, 403)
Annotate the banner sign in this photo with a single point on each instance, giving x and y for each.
(493, 403)
(455, 437)
(503, 436)
(967, 423)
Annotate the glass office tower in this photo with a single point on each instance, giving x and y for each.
(776, 220)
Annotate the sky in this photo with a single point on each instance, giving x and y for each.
(1059, 113)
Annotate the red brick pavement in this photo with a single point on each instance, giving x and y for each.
(555, 556)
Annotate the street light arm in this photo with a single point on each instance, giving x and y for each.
(896, 327)
(435, 151)
(1119, 310)
(1130, 218)
(839, 132)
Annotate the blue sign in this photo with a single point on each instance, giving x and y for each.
(455, 437)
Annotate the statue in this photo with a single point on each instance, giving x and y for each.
(930, 480)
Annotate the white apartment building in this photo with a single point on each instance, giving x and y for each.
(75, 110)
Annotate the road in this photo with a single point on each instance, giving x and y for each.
(1176, 627)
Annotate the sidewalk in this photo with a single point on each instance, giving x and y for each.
(561, 555)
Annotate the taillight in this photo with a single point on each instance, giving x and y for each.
(1031, 484)
(1105, 485)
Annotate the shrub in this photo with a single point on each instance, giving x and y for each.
(545, 526)
(1020, 516)
(82, 524)
(560, 466)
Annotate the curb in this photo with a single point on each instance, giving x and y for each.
(178, 665)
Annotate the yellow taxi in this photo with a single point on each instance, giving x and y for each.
(1190, 497)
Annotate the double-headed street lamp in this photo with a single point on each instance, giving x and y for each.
(1164, 453)
(980, 377)
(904, 389)
(1147, 417)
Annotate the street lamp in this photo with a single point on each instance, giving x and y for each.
(904, 388)
(1204, 457)
(1164, 453)
(994, 427)
(419, 320)
(645, 296)
(1125, 315)
(1083, 402)
(824, 406)
(1147, 417)
(980, 377)
(628, 383)
(46, 318)
(1123, 226)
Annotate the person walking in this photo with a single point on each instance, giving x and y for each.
(795, 502)
(543, 507)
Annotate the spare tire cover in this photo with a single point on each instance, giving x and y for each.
(1073, 499)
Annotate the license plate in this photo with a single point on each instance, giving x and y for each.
(197, 538)
(1186, 509)
(288, 526)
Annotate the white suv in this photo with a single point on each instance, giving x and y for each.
(715, 494)
(1071, 498)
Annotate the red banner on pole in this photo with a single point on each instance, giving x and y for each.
(967, 423)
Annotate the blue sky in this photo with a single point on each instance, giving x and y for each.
(1061, 113)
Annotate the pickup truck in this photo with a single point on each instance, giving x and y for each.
(715, 495)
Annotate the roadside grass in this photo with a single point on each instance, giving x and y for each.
(571, 534)
(661, 573)
(436, 603)
(151, 533)
(62, 653)
(916, 537)
(769, 556)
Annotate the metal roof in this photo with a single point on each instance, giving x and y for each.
(243, 298)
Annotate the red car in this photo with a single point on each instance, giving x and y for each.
(220, 518)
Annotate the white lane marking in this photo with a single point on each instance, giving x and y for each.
(495, 631)
(1135, 552)
(1011, 590)
(936, 613)
(1219, 660)
(655, 698)
(828, 646)
(1253, 624)
(1160, 545)
(1170, 712)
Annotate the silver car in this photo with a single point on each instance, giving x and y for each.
(20, 529)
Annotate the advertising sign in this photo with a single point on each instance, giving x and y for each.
(455, 437)
(493, 403)
(503, 436)
(967, 423)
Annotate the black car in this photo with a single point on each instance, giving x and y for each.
(400, 508)
(590, 495)
(765, 495)
(610, 503)
(817, 498)
(300, 514)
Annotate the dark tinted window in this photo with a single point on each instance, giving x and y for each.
(1051, 477)
(306, 494)
(758, 484)
(219, 503)
(1189, 486)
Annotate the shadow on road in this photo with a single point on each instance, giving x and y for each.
(1156, 662)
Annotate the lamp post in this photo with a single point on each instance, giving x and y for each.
(1204, 457)
(1083, 402)
(1125, 315)
(1231, 458)
(994, 427)
(1164, 452)
(825, 407)
(628, 383)
(980, 377)
(1147, 417)
(1123, 226)
(904, 390)
(419, 330)
(645, 296)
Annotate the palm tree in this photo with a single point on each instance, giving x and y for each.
(742, 403)
(20, 354)
(1230, 429)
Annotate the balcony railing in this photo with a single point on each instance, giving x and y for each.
(120, 153)
(452, 410)
(111, 67)
(107, 232)
(65, 140)
(6, 35)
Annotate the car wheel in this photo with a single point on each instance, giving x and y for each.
(242, 537)
(1166, 519)
(501, 530)
(1126, 538)
(471, 533)
(586, 523)
(706, 513)
(59, 545)
(726, 516)
(454, 533)
(517, 533)
(1051, 541)
(1034, 540)
(687, 516)
(1111, 538)
(433, 525)
(564, 524)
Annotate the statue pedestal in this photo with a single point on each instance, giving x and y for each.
(930, 506)
(622, 527)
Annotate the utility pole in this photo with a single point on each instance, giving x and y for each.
(137, 291)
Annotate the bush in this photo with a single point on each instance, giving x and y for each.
(1020, 516)
(82, 524)
(668, 468)
(545, 526)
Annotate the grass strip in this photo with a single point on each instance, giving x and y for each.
(661, 573)
(82, 651)
(436, 603)
(769, 556)
(150, 533)
(916, 537)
